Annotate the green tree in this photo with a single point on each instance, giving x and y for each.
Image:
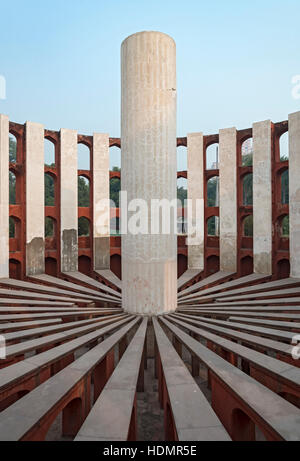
(49, 227)
(12, 150)
(83, 192)
(248, 189)
(181, 194)
(212, 189)
(115, 188)
(49, 191)
(83, 227)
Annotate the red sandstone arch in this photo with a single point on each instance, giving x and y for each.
(246, 266)
(283, 269)
(51, 266)
(212, 264)
(85, 265)
(15, 269)
(182, 264)
(115, 265)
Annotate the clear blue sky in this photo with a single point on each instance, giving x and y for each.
(236, 59)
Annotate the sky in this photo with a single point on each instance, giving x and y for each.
(235, 60)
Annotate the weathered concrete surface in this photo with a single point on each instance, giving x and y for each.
(149, 166)
(69, 250)
(69, 201)
(262, 197)
(35, 202)
(228, 200)
(101, 201)
(294, 184)
(4, 196)
(196, 195)
(102, 253)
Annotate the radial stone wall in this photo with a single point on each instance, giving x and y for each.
(149, 262)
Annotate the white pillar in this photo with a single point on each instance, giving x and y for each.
(228, 200)
(294, 184)
(149, 168)
(35, 199)
(101, 201)
(4, 196)
(69, 200)
(262, 197)
(196, 195)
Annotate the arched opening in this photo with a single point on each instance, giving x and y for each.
(84, 157)
(114, 190)
(212, 157)
(213, 226)
(181, 226)
(14, 234)
(182, 265)
(246, 266)
(49, 190)
(285, 187)
(115, 226)
(83, 191)
(12, 188)
(51, 267)
(247, 152)
(212, 264)
(213, 192)
(49, 149)
(242, 427)
(182, 160)
(67, 423)
(115, 265)
(14, 269)
(283, 269)
(248, 226)
(248, 190)
(83, 227)
(285, 227)
(12, 148)
(115, 158)
(284, 146)
(182, 191)
(49, 227)
(84, 265)
(12, 228)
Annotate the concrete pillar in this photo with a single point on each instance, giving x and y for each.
(69, 200)
(262, 197)
(228, 199)
(4, 196)
(294, 184)
(196, 195)
(35, 199)
(101, 201)
(149, 169)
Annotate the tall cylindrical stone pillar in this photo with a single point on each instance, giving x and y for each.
(149, 166)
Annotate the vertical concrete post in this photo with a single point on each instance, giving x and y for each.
(149, 169)
(196, 195)
(35, 199)
(69, 200)
(262, 197)
(101, 201)
(4, 196)
(228, 199)
(294, 184)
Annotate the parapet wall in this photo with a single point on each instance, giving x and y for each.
(267, 252)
